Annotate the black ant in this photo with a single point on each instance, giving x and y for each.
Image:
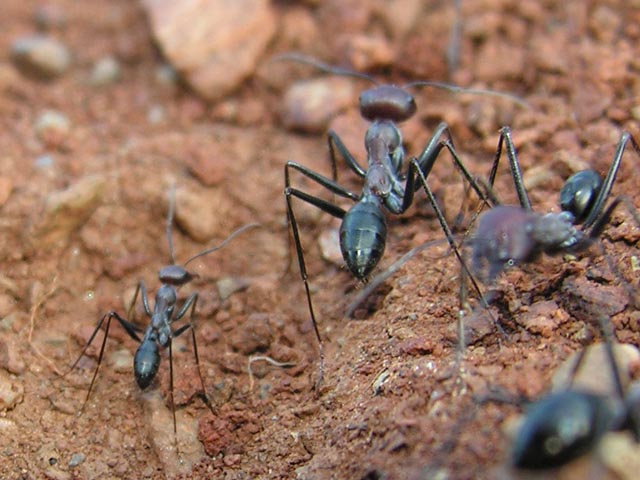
(509, 235)
(363, 230)
(159, 333)
(565, 425)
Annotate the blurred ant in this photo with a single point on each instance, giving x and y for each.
(159, 333)
(363, 230)
(509, 235)
(563, 426)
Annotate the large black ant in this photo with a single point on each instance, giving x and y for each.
(509, 235)
(565, 425)
(159, 334)
(363, 230)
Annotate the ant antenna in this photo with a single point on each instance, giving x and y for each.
(172, 208)
(227, 240)
(325, 67)
(472, 91)
(345, 72)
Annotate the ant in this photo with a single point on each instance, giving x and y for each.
(509, 235)
(565, 425)
(386, 187)
(159, 333)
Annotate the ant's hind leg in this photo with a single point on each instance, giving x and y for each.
(190, 304)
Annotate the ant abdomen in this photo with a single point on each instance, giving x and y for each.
(146, 363)
(579, 193)
(560, 428)
(363, 234)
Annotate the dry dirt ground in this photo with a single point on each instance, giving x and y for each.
(394, 403)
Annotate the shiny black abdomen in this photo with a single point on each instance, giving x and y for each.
(363, 236)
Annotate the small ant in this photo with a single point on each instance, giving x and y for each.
(565, 425)
(363, 231)
(159, 333)
(508, 235)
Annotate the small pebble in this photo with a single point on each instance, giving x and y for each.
(67, 210)
(43, 162)
(227, 286)
(11, 392)
(40, 56)
(106, 71)
(156, 114)
(76, 459)
(329, 241)
(309, 105)
(52, 128)
(121, 361)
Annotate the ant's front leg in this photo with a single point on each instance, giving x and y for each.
(335, 143)
(516, 171)
(129, 327)
(142, 290)
(430, 153)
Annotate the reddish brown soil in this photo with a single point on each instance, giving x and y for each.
(394, 403)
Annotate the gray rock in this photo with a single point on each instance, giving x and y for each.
(40, 56)
(106, 71)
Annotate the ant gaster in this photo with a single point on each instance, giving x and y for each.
(565, 425)
(508, 235)
(159, 333)
(386, 186)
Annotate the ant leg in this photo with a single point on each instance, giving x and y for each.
(141, 288)
(427, 158)
(335, 143)
(129, 327)
(190, 303)
(516, 171)
(414, 168)
(322, 204)
(333, 210)
(327, 183)
(607, 335)
(607, 184)
(173, 403)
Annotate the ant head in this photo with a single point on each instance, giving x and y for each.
(387, 102)
(175, 275)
